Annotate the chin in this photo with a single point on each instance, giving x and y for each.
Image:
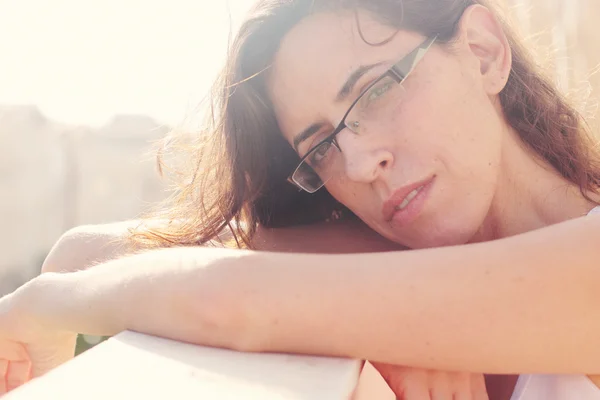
(438, 236)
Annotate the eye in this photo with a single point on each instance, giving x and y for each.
(319, 154)
(378, 91)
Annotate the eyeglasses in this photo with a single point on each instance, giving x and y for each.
(378, 100)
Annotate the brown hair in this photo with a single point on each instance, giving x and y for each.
(239, 165)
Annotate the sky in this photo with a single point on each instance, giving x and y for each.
(83, 61)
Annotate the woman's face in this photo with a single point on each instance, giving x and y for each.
(424, 172)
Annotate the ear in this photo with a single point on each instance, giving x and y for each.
(485, 39)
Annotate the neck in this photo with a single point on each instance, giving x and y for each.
(530, 195)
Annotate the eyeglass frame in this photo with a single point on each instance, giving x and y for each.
(399, 72)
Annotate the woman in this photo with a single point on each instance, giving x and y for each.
(425, 119)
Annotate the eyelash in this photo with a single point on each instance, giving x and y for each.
(317, 138)
(365, 86)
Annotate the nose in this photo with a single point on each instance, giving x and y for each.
(363, 161)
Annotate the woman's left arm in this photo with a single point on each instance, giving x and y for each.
(524, 304)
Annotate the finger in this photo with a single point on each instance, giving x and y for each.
(386, 371)
(415, 390)
(478, 388)
(19, 373)
(406, 383)
(440, 385)
(372, 386)
(3, 376)
(12, 351)
(460, 385)
(394, 375)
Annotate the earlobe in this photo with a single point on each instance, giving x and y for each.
(486, 40)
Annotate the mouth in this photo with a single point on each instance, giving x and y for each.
(403, 200)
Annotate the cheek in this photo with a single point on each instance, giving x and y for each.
(343, 190)
(355, 196)
(470, 150)
(456, 138)
(416, 134)
(455, 121)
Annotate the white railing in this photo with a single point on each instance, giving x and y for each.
(133, 366)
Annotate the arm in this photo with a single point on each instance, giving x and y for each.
(91, 245)
(88, 245)
(85, 246)
(522, 304)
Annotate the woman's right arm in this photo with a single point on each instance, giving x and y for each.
(77, 249)
(88, 245)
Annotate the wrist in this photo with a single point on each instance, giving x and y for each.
(33, 310)
(62, 302)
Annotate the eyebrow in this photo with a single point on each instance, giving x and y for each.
(305, 134)
(344, 92)
(353, 80)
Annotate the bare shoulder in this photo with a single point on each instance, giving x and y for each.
(88, 245)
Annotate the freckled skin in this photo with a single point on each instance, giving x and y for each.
(460, 146)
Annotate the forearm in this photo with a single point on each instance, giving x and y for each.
(146, 291)
(524, 304)
(167, 293)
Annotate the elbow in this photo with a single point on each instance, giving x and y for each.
(58, 258)
(85, 246)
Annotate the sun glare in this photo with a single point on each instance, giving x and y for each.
(84, 61)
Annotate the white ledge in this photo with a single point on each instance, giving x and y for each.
(136, 366)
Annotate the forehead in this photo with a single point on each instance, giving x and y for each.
(318, 55)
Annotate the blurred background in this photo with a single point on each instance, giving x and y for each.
(87, 86)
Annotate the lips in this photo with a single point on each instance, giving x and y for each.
(402, 197)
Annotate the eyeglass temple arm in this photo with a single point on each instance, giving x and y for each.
(405, 66)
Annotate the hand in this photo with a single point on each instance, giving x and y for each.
(419, 384)
(28, 349)
(15, 365)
